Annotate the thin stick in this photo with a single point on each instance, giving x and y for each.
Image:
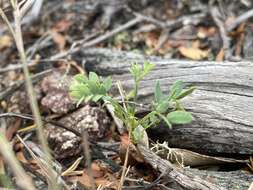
(9, 90)
(3, 15)
(29, 117)
(223, 33)
(100, 38)
(242, 18)
(55, 123)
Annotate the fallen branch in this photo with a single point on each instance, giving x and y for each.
(226, 41)
(175, 174)
(99, 39)
(221, 104)
(242, 18)
(193, 179)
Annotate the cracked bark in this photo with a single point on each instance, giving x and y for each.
(222, 105)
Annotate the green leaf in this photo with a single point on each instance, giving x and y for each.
(97, 97)
(137, 134)
(176, 89)
(178, 106)
(80, 101)
(135, 70)
(179, 117)
(101, 89)
(138, 72)
(165, 119)
(107, 83)
(163, 106)
(81, 78)
(79, 90)
(89, 89)
(130, 95)
(93, 77)
(153, 118)
(140, 136)
(93, 86)
(158, 92)
(185, 93)
(88, 98)
(147, 67)
(75, 94)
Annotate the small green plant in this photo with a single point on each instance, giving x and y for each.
(165, 108)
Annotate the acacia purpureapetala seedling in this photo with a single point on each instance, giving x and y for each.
(165, 107)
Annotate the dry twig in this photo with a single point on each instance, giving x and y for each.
(99, 39)
(242, 18)
(223, 32)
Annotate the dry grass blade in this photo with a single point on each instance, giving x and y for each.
(124, 172)
(22, 178)
(43, 165)
(88, 158)
(72, 168)
(28, 128)
(40, 162)
(33, 103)
(17, 35)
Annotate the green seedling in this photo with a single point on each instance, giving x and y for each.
(165, 107)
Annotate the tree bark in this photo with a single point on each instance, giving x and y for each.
(222, 104)
(193, 179)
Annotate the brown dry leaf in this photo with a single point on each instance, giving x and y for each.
(20, 156)
(152, 42)
(85, 180)
(104, 183)
(220, 55)
(188, 158)
(11, 130)
(62, 25)
(204, 32)
(59, 39)
(193, 53)
(5, 42)
(196, 44)
(3, 105)
(151, 39)
(134, 156)
(99, 178)
(96, 170)
(240, 39)
(194, 159)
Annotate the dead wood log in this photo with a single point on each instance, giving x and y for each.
(193, 179)
(222, 105)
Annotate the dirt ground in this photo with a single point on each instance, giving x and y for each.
(219, 31)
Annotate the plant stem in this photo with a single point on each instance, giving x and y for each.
(136, 86)
(129, 138)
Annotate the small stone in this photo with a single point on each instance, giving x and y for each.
(56, 88)
(66, 144)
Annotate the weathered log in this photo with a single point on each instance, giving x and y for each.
(222, 105)
(193, 179)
